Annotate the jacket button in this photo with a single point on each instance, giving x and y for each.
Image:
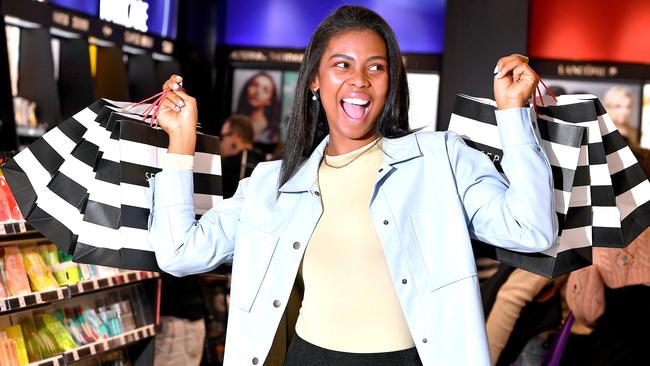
(404, 281)
(255, 361)
(385, 222)
(317, 193)
(296, 245)
(424, 340)
(276, 303)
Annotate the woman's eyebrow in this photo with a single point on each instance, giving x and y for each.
(341, 55)
(348, 57)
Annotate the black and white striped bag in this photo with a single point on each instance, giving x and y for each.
(474, 119)
(102, 214)
(69, 185)
(595, 193)
(32, 176)
(630, 184)
(119, 203)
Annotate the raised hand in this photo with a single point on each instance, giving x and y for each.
(178, 116)
(514, 82)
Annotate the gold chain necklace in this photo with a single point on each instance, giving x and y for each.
(353, 159)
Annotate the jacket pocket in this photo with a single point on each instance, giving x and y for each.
(251, 258)
(442, 239)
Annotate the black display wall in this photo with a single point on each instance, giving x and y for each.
(8, 139)
(477, 34)
(195, 49)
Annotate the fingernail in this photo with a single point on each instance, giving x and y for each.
(496, 69)
(175, 86)
(181, 103)
(178, 78)
(177, 108)
(181, 84)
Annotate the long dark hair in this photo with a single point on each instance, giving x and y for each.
(307, 124)
(271, 112)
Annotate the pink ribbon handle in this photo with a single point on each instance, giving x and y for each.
(153, 109)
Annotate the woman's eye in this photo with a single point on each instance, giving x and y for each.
(376, 68)
(341, 64)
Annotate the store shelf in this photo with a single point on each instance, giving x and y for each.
(106, 282)
(17, 227)
(14, 303)
(92, 349)
(33, 299)
(53, 361)
(109, 344)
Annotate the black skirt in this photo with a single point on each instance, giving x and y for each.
(303, 353)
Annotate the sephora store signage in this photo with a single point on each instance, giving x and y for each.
(128, 13)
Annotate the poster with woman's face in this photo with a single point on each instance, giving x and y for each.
(620, 99)
(256, 93)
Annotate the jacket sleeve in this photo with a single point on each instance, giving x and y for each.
(516, 213)
(183, 245)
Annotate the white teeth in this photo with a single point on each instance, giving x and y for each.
(356, 101)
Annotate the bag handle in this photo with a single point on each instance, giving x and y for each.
(153, 109)
(537, 92)
(554, 354)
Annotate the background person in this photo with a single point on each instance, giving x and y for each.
(238, 155)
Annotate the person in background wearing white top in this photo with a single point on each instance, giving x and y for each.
(374, 218)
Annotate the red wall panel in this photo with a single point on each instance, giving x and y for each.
(594, 30)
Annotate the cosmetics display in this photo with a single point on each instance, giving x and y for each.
(95, 323)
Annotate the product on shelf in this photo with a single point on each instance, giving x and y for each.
(4, 290)
(52, 326)
(49, 254)
(32, 344)
(8, 352)
(66, 273)
(39, 276)
(69, 320)
(16, 334)
(8, 202)
(98, 327)
(17, 281)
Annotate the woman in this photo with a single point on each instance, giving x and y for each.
(618, 103)
(259, 100)
(374, 219)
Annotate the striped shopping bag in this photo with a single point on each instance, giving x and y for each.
(33, 176)
(596, 191)
(121, 199)
(630, 184)
(565, 148)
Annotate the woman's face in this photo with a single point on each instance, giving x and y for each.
(620, 108)
(353, 82)
(260, 92)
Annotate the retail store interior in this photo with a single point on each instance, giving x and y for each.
(72, 71)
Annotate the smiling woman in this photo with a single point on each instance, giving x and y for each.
(353, 84)
(373, 219)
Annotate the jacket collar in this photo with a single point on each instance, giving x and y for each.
(396, 150)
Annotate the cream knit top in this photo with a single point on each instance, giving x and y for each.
(350, 303)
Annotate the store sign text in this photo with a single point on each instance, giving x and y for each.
(266, 56)
(128, 13)
(587, 70)
(137, 39)
(72, 21)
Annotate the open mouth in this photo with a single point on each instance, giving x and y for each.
(355, 108)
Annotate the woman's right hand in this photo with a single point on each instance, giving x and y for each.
(178, 116)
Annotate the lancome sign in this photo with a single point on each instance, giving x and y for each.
(128, 13)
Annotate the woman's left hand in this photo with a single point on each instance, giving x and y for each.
(515, 82)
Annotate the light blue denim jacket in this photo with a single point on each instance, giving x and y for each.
(432, 194)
